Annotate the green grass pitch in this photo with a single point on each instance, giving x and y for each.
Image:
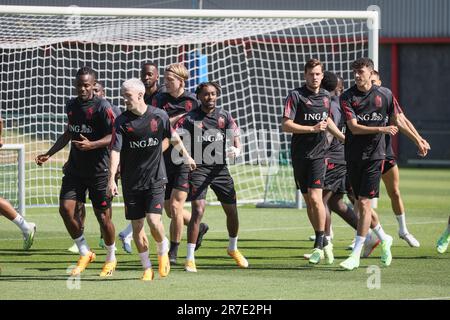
(273, 240)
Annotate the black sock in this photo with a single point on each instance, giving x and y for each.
(320, 236)
(174, 247)
(325, 241)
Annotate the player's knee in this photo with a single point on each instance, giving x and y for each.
(197, 213)
(365, 205)
(176, 208)
(154, 221)
(394, 194)
(65, 209)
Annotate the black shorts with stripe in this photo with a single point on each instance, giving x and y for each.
(177, 178)
(140, 203)
(335, 178)
(75, 188)
(216, 176)
(389, 163)
(365, 177)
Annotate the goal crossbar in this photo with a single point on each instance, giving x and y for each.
(372, 16)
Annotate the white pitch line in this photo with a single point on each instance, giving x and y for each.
(246, 230)
(432, 298)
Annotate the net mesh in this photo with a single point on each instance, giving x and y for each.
(9, 176)
(257, 62)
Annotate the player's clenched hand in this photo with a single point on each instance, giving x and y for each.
(112, 189)
(321, 126)
(392, 130)
(40, 159)
(422, 149)
(84, 144)
(191, 163)
(233, 152)
(425, 142)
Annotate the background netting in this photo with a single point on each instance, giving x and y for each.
(9, 176)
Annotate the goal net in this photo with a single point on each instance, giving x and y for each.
(256, 56)
(12, 175)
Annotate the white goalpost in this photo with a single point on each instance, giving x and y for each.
(12, 175)
(256, 56)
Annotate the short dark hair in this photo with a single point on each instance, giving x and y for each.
(361, 63)
(312, 63)
(202, 85)
(329, 81)
(149, 63)
(86, 70)
(375, 72)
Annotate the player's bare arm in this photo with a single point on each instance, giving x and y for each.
(113, 165)
(359, 129)
(235, 150)
(288, 125)
(333, 129)
(165, 144)
(60, 143)
(85, 144)
(179, 146)
(413, 129)
(175, 119)
(399, 120)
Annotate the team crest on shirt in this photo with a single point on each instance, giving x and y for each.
(154, 125)
(221, 123)
(89, 113)
(378, 101)
(326, 103)
(188, 106)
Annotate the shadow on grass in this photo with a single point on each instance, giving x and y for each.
(59, 277)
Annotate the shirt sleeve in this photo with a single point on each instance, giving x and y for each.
(335, 113)
(392, 107)
(232, 125)
(290, 107)
(108, 117)
(347, 109)
(168, 130)
(397, 107)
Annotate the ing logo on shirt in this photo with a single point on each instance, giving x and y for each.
(80, 128)
(150, 142)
